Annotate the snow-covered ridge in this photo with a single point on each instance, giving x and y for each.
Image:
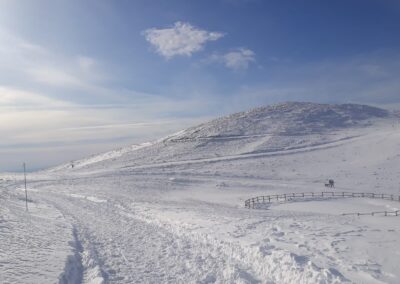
(287, 118)
(265, 129)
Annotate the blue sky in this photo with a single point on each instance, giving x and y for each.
(81, 77)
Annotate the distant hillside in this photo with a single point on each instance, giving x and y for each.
(266, 129)
(287, 118)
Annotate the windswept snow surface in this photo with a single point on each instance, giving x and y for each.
(173, 211)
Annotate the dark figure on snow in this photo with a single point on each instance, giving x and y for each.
(331, 183)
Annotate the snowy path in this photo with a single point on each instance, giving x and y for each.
(129, 250)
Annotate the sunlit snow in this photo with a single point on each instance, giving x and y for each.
(172, 211)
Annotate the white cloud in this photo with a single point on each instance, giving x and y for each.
(180, 39)
(239, 59)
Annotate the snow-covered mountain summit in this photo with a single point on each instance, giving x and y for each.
(284, 126)
(286, 118)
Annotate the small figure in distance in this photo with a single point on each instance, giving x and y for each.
(72, 165)
(331, 183)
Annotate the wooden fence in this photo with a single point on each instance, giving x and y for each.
(382, 213)
(267, 199)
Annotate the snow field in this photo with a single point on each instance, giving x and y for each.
(173, 211)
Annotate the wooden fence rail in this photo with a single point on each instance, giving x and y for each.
(384, 213)
(266, 199)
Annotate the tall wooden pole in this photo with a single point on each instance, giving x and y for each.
(26, 191)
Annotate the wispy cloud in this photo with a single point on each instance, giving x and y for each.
(238, 59)
(54, 76)
(14, 98)
(35, 121)
(180, 39)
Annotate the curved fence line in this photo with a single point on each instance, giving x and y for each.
(268, 199)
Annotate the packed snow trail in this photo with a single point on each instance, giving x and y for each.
(132, 251)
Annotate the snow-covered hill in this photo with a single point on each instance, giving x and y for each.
(265, 129)
(293, 118)
(172, 211)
